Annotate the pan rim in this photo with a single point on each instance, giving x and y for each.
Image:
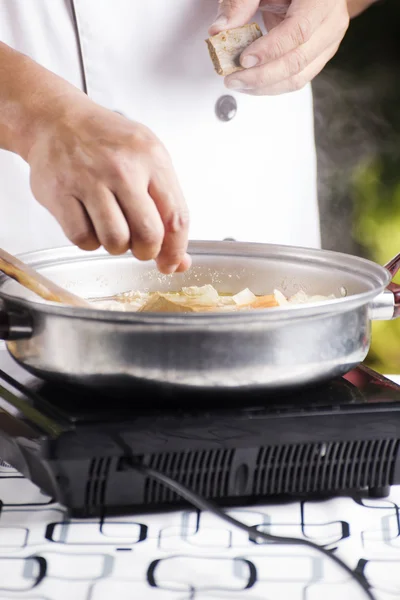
(374, 273)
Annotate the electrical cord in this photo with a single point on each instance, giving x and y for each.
(206, 505)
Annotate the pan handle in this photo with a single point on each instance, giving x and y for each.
(14, 326)
(393, 266)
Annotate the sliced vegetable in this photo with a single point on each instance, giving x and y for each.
(203, 298)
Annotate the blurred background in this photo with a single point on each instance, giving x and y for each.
(357, 127)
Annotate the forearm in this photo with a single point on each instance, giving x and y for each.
(30, 96)
(356, 7)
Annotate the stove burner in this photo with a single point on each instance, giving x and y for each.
(342, 436)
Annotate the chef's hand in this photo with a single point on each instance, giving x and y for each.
(303, 36)
(109, 181)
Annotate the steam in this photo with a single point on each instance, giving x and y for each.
(350, 121)
(351, 128)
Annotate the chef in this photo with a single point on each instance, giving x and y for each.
(116, 131)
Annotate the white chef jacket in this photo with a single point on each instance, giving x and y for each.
(251, 177)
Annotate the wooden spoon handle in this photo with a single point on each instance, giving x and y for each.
(40, 285)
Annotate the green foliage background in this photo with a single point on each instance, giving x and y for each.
(361, 187)
(377, 229)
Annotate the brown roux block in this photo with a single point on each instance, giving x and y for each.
(226, 47)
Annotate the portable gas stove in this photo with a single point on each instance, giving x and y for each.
(234, 448)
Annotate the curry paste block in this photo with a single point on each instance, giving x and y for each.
(226, 47)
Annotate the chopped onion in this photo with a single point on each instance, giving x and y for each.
(205, 298)
(205, 295)
(280, 298)
(302, 298)
(244, 297)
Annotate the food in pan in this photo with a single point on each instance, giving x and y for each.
(200, 299)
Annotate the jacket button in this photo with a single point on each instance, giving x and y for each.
(226, 108)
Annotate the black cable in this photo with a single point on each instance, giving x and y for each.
(206, 505)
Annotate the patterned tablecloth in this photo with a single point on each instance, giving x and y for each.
(193, 556)
(188, 555)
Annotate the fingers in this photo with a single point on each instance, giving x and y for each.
(150, 219)
(142, 217)
(153, 205)
(108, 220)
(320, 23)
(135, 221)
(272, 20)
(291, 34)
(122, 193)
(185, 264)
(292, 64)
(131, 222)
(75, 222)
(157, 218)
(277, 7)
(169, 200)
(233, 13)
(295, 82)
(293, 48)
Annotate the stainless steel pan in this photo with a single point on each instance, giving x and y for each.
(273, 348)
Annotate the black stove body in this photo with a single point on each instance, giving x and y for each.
(237, 449)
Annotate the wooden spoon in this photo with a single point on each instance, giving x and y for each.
(40, 285)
